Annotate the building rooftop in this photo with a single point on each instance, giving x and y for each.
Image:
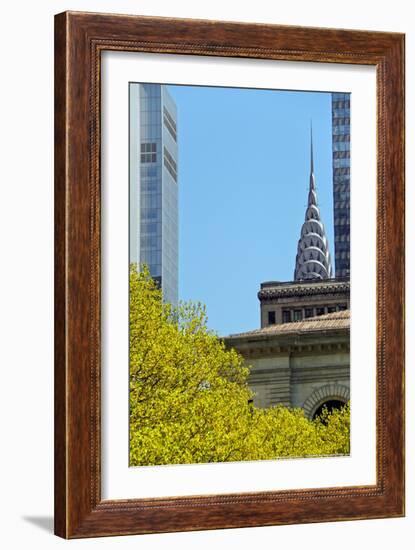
(275, 289)
(331, 321)
(309, 282)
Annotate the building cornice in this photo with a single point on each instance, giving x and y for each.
(313, 289)
(265, 348)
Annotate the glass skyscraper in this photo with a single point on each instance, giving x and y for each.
(341, 181)
(154, 185)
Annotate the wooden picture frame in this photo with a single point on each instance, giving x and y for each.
(79, 40)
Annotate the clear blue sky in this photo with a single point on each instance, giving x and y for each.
(244, 158)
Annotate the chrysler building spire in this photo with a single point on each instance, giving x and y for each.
(313, 257)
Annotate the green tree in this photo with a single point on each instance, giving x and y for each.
(334, 430)
(189, 397)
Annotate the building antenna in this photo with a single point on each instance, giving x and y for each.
(311, 142)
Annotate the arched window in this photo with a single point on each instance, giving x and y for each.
(331, 405)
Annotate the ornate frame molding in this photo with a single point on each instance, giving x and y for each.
(79, 40)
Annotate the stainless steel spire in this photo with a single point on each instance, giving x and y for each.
(313, 256)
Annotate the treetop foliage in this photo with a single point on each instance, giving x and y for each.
(189, 396)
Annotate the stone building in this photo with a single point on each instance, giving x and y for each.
(300, 357)
(299, 364)
(298, 300)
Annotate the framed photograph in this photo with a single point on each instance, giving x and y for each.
(229, 275)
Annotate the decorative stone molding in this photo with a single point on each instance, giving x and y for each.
(328, 392)
(296, 290)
